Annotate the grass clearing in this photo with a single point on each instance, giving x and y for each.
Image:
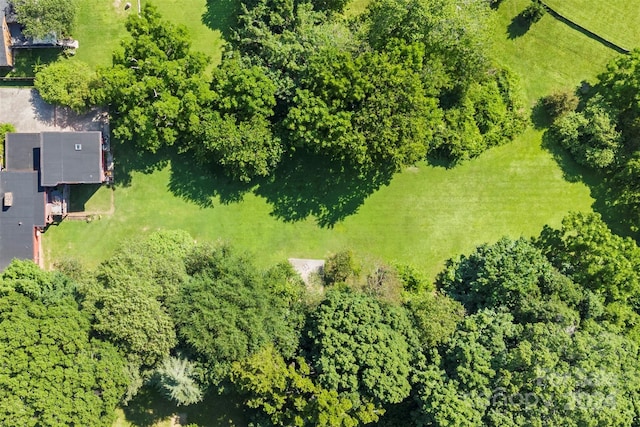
(149, 408)
(426, 215)
(614, 20)
(549, 55)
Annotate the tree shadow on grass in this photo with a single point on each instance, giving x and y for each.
(221, 15)
(518, 27)
(540, 117)
(149, 408)
(600, 186)
(199, 184)
(301, 187)
(305, 186)
(128, 159)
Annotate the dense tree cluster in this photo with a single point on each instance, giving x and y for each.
(386, 90)
(536, 331)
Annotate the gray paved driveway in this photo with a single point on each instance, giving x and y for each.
(29, 113)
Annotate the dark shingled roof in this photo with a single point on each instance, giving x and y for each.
(22, 151)
(17, 222)
(70, 158)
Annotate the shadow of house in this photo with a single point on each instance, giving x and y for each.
(34, 186)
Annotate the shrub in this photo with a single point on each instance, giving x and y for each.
(559, 103)
(534, 12)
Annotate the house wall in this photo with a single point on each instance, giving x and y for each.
(6, 45)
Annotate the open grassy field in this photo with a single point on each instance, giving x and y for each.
(615, 20)
(424, 216)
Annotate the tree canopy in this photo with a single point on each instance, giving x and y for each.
(42, 18)
(53, 372)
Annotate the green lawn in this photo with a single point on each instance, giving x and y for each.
(100, 25)
(549, 55)
(615, 20)
(424, 216)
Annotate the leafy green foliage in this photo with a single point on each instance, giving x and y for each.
(486, 114)
(348, 325)
(52, 372)
(226, 312)
(340, 267)
(590, 135)
(435, 317)
(26, 278)
(559, 103)
(156, 85)
(454, 34)
(246, 149)
(586, 250)
(67, 83)
(534, 12)
(513, 274)
(40, 18)
(497, 373)
(5, 128)
(288, 395)
(126, 301)
(603, 263)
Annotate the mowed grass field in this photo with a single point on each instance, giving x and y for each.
(615, 20)
(424, 216)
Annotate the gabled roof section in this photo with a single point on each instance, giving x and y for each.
(18, 221)
(70, 158)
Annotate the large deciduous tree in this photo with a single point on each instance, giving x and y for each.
(513, 274)
(362, 348)
(228, 310)
(287, 394)
(41, 18)
(156, 86)
(52, 371)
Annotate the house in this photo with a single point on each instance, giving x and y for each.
(34, 185)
